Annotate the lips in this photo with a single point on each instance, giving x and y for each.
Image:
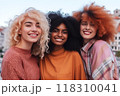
(59, 40)
(87, 32)
(33, 35)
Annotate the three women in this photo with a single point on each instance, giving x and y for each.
(29, 35)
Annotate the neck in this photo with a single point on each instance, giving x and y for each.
(57, 48)
(85, 41)
(24, 45)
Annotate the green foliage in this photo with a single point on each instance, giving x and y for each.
(118, 53)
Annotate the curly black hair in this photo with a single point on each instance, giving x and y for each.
(74, 40)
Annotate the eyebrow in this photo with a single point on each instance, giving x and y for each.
(65, 29)
(31, 22)
(28, 22)
(59, 29)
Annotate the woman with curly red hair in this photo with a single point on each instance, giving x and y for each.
(97, 29)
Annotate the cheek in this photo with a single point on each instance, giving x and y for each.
(52, 37)
(81, 28)
(66, 36)
(40, 31)
(24, 31)
(95, 31)
(81, 31)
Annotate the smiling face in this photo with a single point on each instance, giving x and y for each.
(88, 28)
(59, 35)
(30, 31)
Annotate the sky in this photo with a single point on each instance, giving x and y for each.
(10, 8)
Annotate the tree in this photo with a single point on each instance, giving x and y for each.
(118, 53)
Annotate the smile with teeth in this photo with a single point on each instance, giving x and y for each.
(59, 40)
(33, 35)
(87, 32)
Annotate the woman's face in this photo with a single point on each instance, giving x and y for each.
(30, 31)
(88, 29)
(59, 35)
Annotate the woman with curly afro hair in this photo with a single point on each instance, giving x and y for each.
(97, 30)
(63, 62)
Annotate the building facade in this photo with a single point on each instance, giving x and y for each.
(1, 36)
(116, 44)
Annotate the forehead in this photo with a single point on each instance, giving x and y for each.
(61, 25)
(28, 19)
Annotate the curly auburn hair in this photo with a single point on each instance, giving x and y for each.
(12, 36)
(105, 21)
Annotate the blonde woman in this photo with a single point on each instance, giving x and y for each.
(26, 38)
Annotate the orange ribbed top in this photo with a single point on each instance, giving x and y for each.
(62, 65)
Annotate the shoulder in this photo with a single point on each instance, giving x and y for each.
(102, 47)
(11, 54)
(100, 44)
(74, 54)
(75, 57)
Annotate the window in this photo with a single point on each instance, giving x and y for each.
(116, 11)
(118, 48)
(115, 38)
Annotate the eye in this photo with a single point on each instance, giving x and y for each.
(38, 26)
(55, 30)
(28, 25)
(84, 23)
(65, 32)
(92, 24)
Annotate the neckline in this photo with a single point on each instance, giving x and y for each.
(86, 47)
(58, 52)
(25, 51)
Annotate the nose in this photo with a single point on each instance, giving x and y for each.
(60, 33)
(34, 28)
(88, 26)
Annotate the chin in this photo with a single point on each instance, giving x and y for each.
(33, 41)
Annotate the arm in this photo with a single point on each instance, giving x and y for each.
(79, 68)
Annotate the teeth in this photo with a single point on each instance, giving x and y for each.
(86, 32)
(58, 39)
(33, 34)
